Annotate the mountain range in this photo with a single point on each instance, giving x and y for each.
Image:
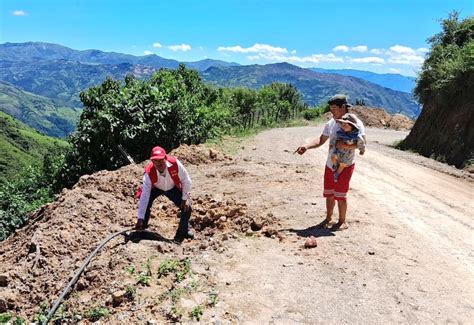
(34, 51)
(59, 74)
(387, 80)
(316, 87)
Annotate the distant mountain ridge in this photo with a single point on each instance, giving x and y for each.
(316, 87)
(33, 51)
(388, 80)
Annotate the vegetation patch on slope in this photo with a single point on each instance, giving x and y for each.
(445, 128)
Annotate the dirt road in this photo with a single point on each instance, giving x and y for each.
(406, 257)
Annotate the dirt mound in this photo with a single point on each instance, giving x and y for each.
(379, 118)
(38, 260)
(198, 154)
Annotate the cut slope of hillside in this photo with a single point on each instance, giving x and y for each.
(21, 146)
(445, 128)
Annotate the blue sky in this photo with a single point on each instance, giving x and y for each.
(383, 36)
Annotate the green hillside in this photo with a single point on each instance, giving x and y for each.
(61, 80)
(21, 146)
(38, 112)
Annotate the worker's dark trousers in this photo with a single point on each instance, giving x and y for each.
(174, 195)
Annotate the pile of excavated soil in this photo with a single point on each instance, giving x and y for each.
(198, 154)
(39, 259)
(379, 118)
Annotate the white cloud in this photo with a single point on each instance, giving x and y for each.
(316, 58)
(157, 45)
(407, 59)
(345, 48)
(147, 52)
(19, 13)
(341, 48)
(370, 59)
(181, 47)
(400, 54)
(394, 59)
(377, 51)
(402, 49)
(257, 48)
(360, 48)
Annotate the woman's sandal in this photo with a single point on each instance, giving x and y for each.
(325, 224)
(339, 226)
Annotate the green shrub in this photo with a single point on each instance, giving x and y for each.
(172, 108)
(5, 317)
(32, 188)
(181, 268)
(448, 63)
(97, 313)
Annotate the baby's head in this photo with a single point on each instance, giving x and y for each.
(348, 122)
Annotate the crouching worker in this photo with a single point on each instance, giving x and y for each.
(165, 175)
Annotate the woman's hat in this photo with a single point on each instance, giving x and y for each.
(339, 100)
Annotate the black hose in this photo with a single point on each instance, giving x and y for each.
(79, 272)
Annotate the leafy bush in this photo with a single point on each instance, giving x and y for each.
(172, 108)
(32, 188)
(5, 317)
(449, 62)
(314, 112)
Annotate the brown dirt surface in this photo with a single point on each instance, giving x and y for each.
(406, 257)
(198, 154)
(379, 118)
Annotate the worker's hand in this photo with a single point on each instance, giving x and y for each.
(361, 152)
(185, 205)
(139, 225)
(301, 150)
